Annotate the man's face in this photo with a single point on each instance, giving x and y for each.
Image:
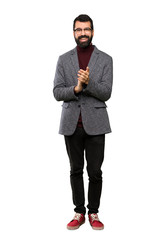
(83, 34)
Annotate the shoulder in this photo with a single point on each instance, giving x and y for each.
(103, 55)
(67, 54)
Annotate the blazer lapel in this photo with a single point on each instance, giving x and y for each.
(74, 60)
(93, 59)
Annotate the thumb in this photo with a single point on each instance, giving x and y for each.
(87, 69)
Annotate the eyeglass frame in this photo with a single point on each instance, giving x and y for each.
(79, 30)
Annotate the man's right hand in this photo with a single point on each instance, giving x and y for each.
(79, 87)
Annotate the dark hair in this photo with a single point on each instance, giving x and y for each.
(83, 18)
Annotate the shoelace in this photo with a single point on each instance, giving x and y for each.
(94, 217)
(77, 217)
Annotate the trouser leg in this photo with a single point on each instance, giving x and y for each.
(94, 146)
(75, 150)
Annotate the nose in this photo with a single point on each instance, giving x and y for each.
(83, 32)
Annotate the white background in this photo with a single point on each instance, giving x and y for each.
(36, 201)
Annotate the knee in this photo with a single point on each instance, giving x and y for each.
(76, 172)
(95, 176)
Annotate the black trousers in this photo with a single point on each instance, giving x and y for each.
(93, 147)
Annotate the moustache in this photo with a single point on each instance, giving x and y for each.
(83, 36)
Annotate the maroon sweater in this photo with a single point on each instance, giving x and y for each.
(84, 55)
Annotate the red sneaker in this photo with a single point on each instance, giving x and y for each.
(77, 221)
(94, 221)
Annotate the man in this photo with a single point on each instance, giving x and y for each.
(83, 81)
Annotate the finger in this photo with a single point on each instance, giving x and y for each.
(82, 71)
(87, 69)
(83, 75)
(81, 79)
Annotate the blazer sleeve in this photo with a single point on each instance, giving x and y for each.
(60, 91)
(102, 89)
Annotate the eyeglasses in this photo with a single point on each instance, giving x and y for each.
(79, 30)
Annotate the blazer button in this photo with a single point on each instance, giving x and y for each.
(79, 105)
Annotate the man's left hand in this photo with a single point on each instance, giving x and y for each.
(83, 76)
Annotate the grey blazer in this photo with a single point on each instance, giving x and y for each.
(91, 101)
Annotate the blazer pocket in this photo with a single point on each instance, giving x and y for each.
(100, 105)
(65, 105)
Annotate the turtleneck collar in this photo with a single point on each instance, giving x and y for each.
(87, 49)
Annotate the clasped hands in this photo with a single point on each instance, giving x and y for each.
(83, 78)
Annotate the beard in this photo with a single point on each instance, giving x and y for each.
(83, 44)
